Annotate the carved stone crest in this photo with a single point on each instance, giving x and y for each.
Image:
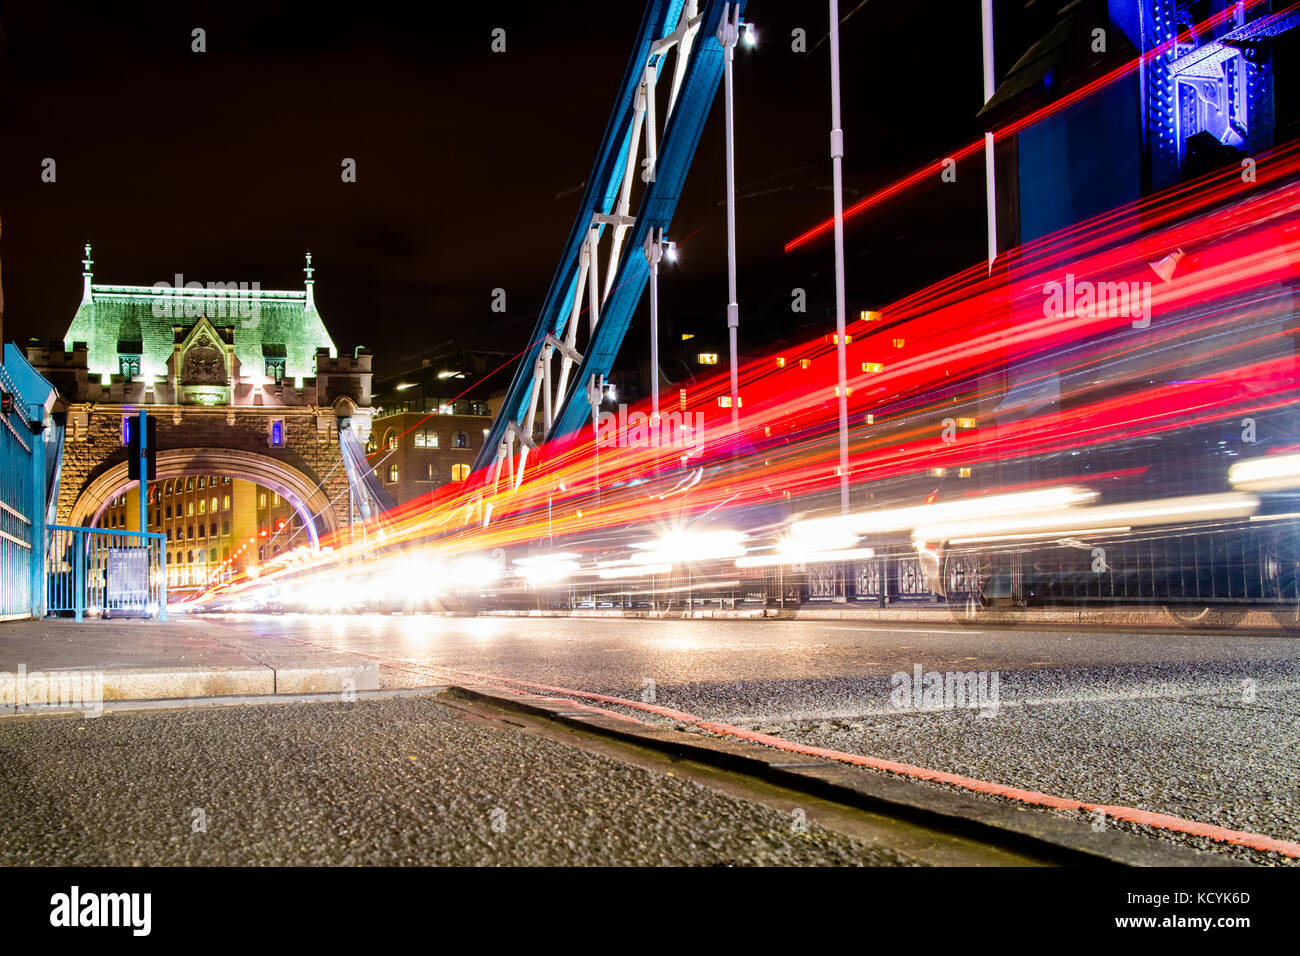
(204, 363)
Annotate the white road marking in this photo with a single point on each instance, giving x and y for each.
(1171, 693)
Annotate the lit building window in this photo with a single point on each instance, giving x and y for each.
(392, 473)
(707, 358)
(391, 442)
(128, 366)
(461, 440)
(225, 502)
(459, 472)
(431, 472)
(189, 508)
(201, 481)
(261, 500)
(203, 506)
(189, 484)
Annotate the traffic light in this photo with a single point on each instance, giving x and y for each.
(151, 451)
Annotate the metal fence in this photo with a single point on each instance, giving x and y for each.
(101, 573)
(17, 446)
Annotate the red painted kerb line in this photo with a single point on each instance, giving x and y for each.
(1163, 821)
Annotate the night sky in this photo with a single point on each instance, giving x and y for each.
(225, 165)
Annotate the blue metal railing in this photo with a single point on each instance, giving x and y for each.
(17, 445)
(92, 571)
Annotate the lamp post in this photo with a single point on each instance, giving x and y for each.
(655, 249)
(990, 167)
(837, 174)
(729, 36)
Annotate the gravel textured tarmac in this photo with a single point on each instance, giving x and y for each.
(1200, 725)
(387, 782)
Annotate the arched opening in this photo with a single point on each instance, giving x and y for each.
(304, 495)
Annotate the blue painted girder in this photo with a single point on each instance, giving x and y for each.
(676, 149)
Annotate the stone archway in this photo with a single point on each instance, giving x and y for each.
(303, 494)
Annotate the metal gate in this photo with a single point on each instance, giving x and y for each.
(94, 572)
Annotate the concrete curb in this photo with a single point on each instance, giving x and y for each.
(1086, 617)
(180, 683)
(1045, 834)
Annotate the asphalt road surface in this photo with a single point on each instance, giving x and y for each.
(1204, 726)
(407, 781)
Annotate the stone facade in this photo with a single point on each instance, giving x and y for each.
(234, 439)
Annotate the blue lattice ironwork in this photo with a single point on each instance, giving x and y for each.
(558, 400)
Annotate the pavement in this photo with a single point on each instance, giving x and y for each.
(153, 660)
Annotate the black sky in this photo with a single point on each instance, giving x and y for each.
(225, 165)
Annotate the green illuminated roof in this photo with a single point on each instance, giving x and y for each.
(265, 323)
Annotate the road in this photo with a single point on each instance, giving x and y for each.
(406, 781)
(1202, 726)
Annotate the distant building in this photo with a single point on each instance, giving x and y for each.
(214, 526)
(430, 421)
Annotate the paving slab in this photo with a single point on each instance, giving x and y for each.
(88, 662)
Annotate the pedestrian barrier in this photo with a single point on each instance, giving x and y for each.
(16, 472)
(92, 571)
(25, 436)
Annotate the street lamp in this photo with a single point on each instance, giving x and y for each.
(729, 36)
(837, 174)
(655, 249)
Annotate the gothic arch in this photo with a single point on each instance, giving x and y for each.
(309, 500)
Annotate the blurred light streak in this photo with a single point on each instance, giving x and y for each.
(810, 557)
(1196, 508)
